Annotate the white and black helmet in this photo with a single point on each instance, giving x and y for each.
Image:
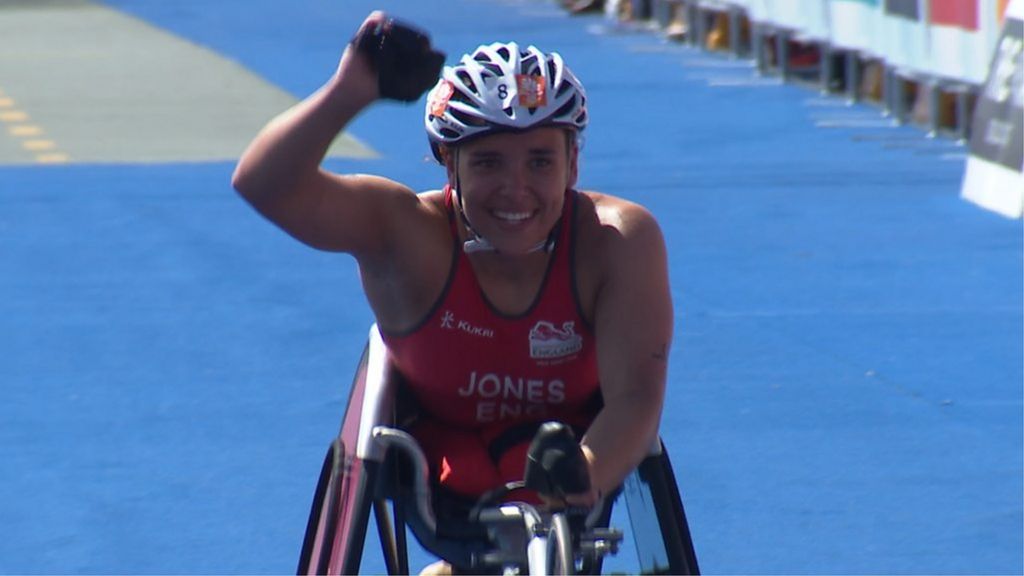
(499, 88)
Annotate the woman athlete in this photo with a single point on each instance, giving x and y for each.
(506, 299)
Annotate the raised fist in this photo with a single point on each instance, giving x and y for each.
(401, 55)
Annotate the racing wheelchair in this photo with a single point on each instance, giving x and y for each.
(373, 463)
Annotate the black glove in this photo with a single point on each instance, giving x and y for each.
(401, 54)
(555, 464)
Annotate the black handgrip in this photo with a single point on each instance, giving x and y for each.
(401, 54)
(555, 464)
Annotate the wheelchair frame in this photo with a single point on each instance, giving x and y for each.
(356, 478)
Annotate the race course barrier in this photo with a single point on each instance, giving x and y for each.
(994, 177)
(954, 66)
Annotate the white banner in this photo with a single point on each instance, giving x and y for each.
(905, 39)
(962, 38)
(994, 176)
(808, 18)
(854, 25)
(946, 39)
(756, 10)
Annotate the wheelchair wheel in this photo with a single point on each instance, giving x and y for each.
(560, 555)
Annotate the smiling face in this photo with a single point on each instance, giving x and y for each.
(513, 184)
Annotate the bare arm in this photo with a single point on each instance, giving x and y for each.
(633, 321)
(280, 175)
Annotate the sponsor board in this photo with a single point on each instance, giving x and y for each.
(994, 176)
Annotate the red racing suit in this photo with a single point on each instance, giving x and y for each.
(485, 379)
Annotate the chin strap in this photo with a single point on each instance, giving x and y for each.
(477, 243)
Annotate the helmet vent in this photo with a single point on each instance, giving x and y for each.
(566, 108)
(464, 118)
(466, 79)
(530, 67)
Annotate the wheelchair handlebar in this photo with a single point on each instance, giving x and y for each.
(600, 542)
(392, 437)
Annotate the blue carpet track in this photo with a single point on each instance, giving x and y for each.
(845, 390)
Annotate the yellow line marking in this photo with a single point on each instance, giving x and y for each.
(55, 158)
(25, 130)
(47, 152)
(38, 145)
(13, 116)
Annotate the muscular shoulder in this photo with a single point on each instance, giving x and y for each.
(433, 201)
(615, 226)
(416, 227)
(616, 239)
(402, 283)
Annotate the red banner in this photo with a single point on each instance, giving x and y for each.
(959, 13)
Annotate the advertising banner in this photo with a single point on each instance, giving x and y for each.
(757, 10)
(962, 35)
(959, 13)
(905, 42)
(906, 8)
(994, 177)
(808, 18)
(854, 25)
